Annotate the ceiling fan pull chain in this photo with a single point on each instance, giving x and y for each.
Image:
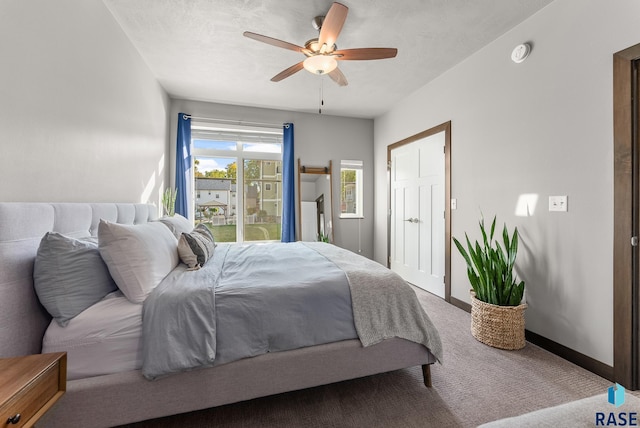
(321, 94)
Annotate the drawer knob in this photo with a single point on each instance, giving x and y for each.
(14, 419)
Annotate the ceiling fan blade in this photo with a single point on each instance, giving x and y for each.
(337, 76)
(288, 72)
(274, 42)
(365, 54)
(332, 24)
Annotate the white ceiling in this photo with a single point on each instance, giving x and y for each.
(197, 51)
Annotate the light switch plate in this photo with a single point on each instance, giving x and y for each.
(558, 203)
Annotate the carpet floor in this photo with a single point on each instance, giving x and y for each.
(475, 384)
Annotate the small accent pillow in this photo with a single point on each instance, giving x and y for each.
(197, 247)
(138, 256)
(177, 224)
(69, 275)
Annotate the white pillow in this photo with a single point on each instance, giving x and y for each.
(138, 256)
(177, 224)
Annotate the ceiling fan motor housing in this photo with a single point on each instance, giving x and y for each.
(315, 47)
(312, 44)
(317, 22)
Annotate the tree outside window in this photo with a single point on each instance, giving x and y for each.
(351, 189)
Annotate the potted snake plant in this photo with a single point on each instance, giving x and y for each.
(497, 310)
(169, 201)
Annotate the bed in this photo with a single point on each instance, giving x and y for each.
(124, 396)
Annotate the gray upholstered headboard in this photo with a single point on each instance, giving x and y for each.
(22, 225)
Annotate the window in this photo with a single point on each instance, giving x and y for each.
(351, 189)
(242, 167)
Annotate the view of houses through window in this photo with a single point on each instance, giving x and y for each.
(351, 189)
(238, 182)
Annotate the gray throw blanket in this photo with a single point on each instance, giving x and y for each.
(384, 305)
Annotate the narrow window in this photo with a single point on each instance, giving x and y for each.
(351, 183)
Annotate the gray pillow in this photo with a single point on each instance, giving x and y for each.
(197, 247)
(69, 275)
(138, 256)
(177, 224)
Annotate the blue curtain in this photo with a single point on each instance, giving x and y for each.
(183, 165)
(288, 186)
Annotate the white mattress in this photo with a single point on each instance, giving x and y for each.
(95, 347)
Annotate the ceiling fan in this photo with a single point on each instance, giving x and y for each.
(322, 53)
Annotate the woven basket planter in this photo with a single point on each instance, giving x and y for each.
(498, 326)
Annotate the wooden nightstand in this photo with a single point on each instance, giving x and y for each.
(29, 386)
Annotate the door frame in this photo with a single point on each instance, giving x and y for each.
(626, 219)
(446, 128)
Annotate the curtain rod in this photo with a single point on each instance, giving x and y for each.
(237, 122)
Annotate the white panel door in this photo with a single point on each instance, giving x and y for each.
(418, 212)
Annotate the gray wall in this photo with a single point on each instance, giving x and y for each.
(83, 119)
(317, 140)
(541, 127)
(81, 116)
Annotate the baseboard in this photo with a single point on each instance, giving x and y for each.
(460, 304)
(588, 363)
(594, 366)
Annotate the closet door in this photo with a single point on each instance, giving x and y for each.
(626, 254)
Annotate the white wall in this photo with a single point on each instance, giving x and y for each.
(543, 127)
(81, 116)
(317, 139)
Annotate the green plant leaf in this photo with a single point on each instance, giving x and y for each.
(490, 266)
(169, 201)
(493, 227)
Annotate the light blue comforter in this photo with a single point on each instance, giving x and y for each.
(253, 299)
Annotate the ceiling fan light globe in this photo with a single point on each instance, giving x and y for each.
(320, 64)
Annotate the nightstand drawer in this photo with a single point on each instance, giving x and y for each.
(42, 383)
